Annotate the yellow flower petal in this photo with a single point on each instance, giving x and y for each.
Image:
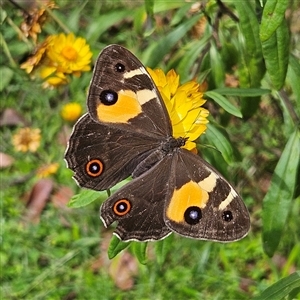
(184, 105)
(51, 76)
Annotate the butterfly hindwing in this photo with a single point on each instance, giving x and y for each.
(138, 206)
(201, 204)
(183, 194)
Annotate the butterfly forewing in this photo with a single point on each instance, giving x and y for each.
(123, 94)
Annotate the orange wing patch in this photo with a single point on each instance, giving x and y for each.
(190, 194)
(127, 107)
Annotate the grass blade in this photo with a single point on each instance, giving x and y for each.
(280, 289)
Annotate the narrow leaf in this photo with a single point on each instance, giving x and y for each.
(217, 65)
(282, 288)
(224, 103)
(140, 251)
(251, 92)
(103, 23)
(276, 55)
(6, 76)
(219, 138)
(164, 46)
(293, 76)
(162, 248)
(189, 58)
(180, 14)
(278, 200)
(116, 246)
(149, 4)
(273, 14)
(251, 65)
(86, 197)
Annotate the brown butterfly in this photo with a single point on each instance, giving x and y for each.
(127, 132)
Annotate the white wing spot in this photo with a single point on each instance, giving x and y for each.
(228, 200)
(132, 73)
(209, 183)
(144, 96)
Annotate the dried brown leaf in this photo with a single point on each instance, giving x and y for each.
(122, 270)
(62, 197)
(39, 196)
(11, 117)
(5, 160)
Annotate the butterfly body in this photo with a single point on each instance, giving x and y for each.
(127, 132)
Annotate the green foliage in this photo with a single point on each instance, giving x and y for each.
(246, 53)
(289, 285)
(278, 201)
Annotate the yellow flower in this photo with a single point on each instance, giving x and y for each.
(184, 105)
(47, 170)
(27, 139)
(71, 111)
(58, 56)
(69, 54)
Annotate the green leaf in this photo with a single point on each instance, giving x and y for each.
(251, 65)
(140, 251)
(162, 6)
(219, 138)
(224, 103)
(217, 65)
(276, 55)
(180, 14)
(116, 246)
(293, 76)
(189, 58)
(103, 23)
(6, 77)
(278, 199)
(289, 124)
(281, 288)
(164, 46)
(162, 248)
(149, 4)
(273, 14)
(149, 24)
(251, 92)
(251, 46)
(85, 197)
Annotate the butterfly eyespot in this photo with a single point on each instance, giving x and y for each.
(122, 207)
(193, 215)
(108, 97)
(120, 68)
(94, 167)
(227, 216)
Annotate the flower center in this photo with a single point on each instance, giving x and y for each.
(69, 53)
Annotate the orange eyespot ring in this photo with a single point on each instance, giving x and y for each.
(94, 167)
(122, 207)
